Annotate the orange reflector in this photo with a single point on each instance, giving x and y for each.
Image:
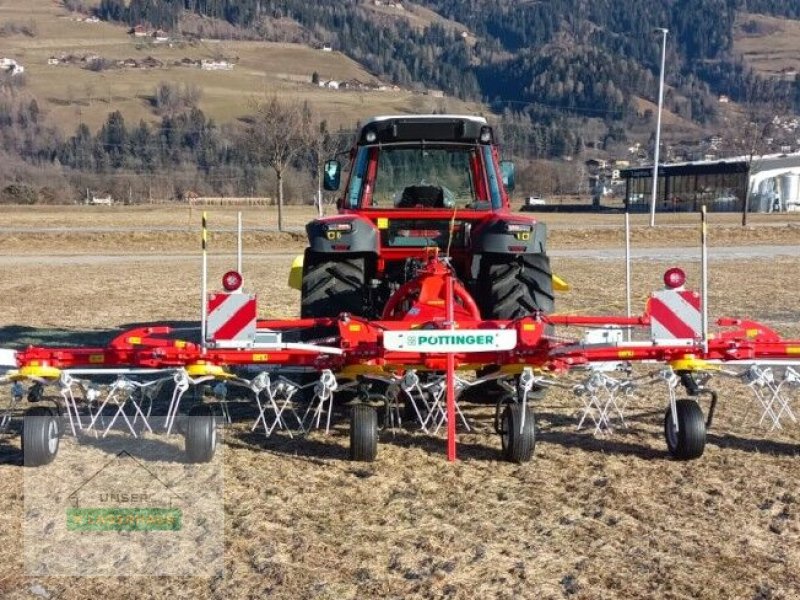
(96, 358)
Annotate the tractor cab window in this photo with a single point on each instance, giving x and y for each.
(435, 177)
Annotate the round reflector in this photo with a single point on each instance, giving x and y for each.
(232, 281)
(674, 278)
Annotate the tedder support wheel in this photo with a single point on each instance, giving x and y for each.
(518, 445)
(332, 285)
(40, 436)
(363, 433)
(514, 285)
(690, 439)
(200, 434)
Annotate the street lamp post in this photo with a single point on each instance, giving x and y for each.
(663, 31)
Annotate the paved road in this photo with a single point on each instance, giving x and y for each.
(656, 254)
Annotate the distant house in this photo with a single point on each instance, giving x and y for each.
(333, 85)
(150, 63)
(216, 65)
(723, 99)
(91, 19)
(11, 66)
(101, 200)
(327, 48)
(595, 164)
(53, 60)
(352, 84)
(159, 35)
(434, 93)
(138, 31)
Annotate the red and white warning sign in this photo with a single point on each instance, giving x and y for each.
(231, 318)
(675, 314)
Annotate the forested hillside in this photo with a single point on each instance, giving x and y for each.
(525, 51)
(561, 76)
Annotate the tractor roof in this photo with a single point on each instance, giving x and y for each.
(428, 128)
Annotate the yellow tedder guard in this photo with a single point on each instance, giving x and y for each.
(296, 273)
(559, 284)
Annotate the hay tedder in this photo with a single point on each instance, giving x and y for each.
(407, 309)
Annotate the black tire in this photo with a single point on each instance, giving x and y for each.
(363, 433)
(40, 436)
(690, 440)
(518, 446)
(333, 285)
(513, 286)
(201, 434)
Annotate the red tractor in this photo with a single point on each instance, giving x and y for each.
(419, 182)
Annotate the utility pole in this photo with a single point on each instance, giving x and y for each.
(663, 31)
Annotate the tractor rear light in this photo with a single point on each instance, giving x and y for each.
(674, 278)
(518, 227)
(516, 248)
(232, 281)
(339, 226)
(340, 246)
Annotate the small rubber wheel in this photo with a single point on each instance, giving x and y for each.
(518, 446)
(201, 434)
(40, 436)
(363, 433)
(690, 439)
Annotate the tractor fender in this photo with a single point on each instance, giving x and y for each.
(496, 238)
(332, 235)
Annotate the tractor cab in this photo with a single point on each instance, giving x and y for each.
(432, 162)
(417, 184)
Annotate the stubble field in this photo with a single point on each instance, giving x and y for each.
(589, 517)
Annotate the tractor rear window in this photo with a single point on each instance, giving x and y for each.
(389, 177)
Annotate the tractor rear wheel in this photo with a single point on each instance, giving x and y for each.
(332, 285)
(511, 286)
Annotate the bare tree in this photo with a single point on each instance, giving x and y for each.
(753, 130)
(323, 145)
(278, 134)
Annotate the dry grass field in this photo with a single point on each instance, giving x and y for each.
(71, 95)
(173, 228)
(773, 48)
(605, 517)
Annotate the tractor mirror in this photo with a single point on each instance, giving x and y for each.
(508, 171)
(331, 175)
